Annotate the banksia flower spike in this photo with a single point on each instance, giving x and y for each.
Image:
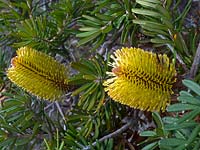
(38, 74)
(141, 79)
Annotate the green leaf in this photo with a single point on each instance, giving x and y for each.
(158, 120)
(189, 99)
(88, 29)
(176, 126)
(181, 107)
(192, 85)
(146, 4)
(89, 77)
(182, 16)
(93, 19)
(146, 12)
(106, 28)
(147, 23)
(101, 100)
(82, 88)
(77, 118)
(9, 128)
(171, 142)
(86, 100)
(185, 93)
(151, 1)
(189, 116)
(86, 34)
(150, 146)
(109, 144)
(148, 133)
(22, 141)
(89, 127)
(104, 17)
(99, 41)
(35, 129)
(96, 130)
(91, 89)
(83, 68)
(158, 32)
(92, 100)
(90, 23)
(161, 41)
(85, 128)
(194, 134)
(97, 66)
(88, 96)
(89, 38)
(125, 32)
(192, 138)
(77, 80)
(7, 142)
(169, 120)
(165, 12)
(90, 64)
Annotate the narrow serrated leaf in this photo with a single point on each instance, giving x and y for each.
(155, 25)
(106, 28)
(146, 12)
(189, 100)
(176, 126)
(88, 29)
(82, 68)
(192, 85)
(93, 19)
(185, 93)
(151, 1)
(148, 133)
(82, 88)
(181, 107)
(189, 116)
(89, 38)
(146, 4)
(92, 101)
(171, 142)
(150, 146)
(158, 120)
(86, 34)
(161, 41)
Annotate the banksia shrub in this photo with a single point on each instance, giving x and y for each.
(38, 73)
(141, 79)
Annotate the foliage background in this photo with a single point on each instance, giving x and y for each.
(83, 34)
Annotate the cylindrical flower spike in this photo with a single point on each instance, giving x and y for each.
(39, 74)
(141, 79)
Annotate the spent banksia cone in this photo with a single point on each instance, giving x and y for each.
(38, 74)
(141, 79)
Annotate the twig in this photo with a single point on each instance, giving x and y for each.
(61, 113)
(48, 106)
(195, 63)
(113, 134)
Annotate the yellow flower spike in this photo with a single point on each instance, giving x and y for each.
(38, 74)
(141, 79)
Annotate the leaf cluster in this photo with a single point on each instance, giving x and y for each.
(163, 24)
(180, 131)
(17, 117)
(39, 25)
(54, 27)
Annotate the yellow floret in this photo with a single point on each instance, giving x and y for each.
(141, 79)
(38, 74)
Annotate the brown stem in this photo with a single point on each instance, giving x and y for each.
(195, 63)
(113, 134)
